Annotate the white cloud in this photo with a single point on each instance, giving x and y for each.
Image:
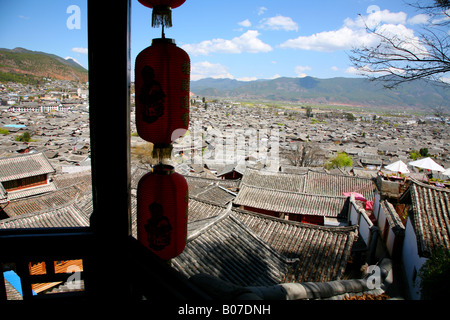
(419, 19)
(246, 23)
(366, 70)
(355, 71)
(299, 70)
(404, 38)
(445, 79)
(207, 69)
(67, 58)
(334, 68)
(444, 17)
(353, 33)
(261, 10)
(247, 42)
(247, 79)
(80, 50)
(376, 18)
(278, 23)
(328, 41)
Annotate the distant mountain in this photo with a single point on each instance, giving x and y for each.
(335, 91)
(28, 66)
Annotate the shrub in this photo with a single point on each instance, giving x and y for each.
(424, 152)
(341, 159)
(435, 275)
(24, 137)
(414, 154)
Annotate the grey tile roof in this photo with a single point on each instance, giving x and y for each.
(392, 217)
(430, 216)
(57, 198)
(322, 252)
(3, 194)
(290, 202)
(213, 190)
(68, 216)
(30, 192)
(336, 184)
(226, 248)
(311, 193)
(24, 166)
(65, 180)
(276, 181)
(11, 292)
(251, 249)
(312, 182)
(136, 174)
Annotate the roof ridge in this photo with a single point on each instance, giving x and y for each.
(207, 202)
(421, 184)
(24, 155)
(294, 192)
(37, 214)
(340, 175)
(277, 172)
(212, 222)
(297, 223)
(67, 203)
(201, 178)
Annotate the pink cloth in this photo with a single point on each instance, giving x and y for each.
(358, 196)
(369, 205)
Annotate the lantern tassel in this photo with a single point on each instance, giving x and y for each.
(162, 15)
(162, 151)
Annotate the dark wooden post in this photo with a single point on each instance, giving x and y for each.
(109, 111)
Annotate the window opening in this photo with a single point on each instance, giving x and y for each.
(45, 161)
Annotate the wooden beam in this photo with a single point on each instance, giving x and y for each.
(109, 112)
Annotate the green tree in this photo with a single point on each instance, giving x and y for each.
(435, 275)
(25, 137)
(4, 131)
(350, 116)
(341, 160)
(414, 154)
(309, 112)
(424, 152)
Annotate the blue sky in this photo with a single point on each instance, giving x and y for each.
(243, 40)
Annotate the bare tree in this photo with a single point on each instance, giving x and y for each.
(435, 8)
(305, 155)
(397, 58)
(143, 155)
(294, 155)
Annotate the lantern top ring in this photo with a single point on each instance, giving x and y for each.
(163, 40)
(163, 169)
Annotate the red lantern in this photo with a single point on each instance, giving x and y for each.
(162, 13)
(162, 211)
(168, 3)
(162, 81)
